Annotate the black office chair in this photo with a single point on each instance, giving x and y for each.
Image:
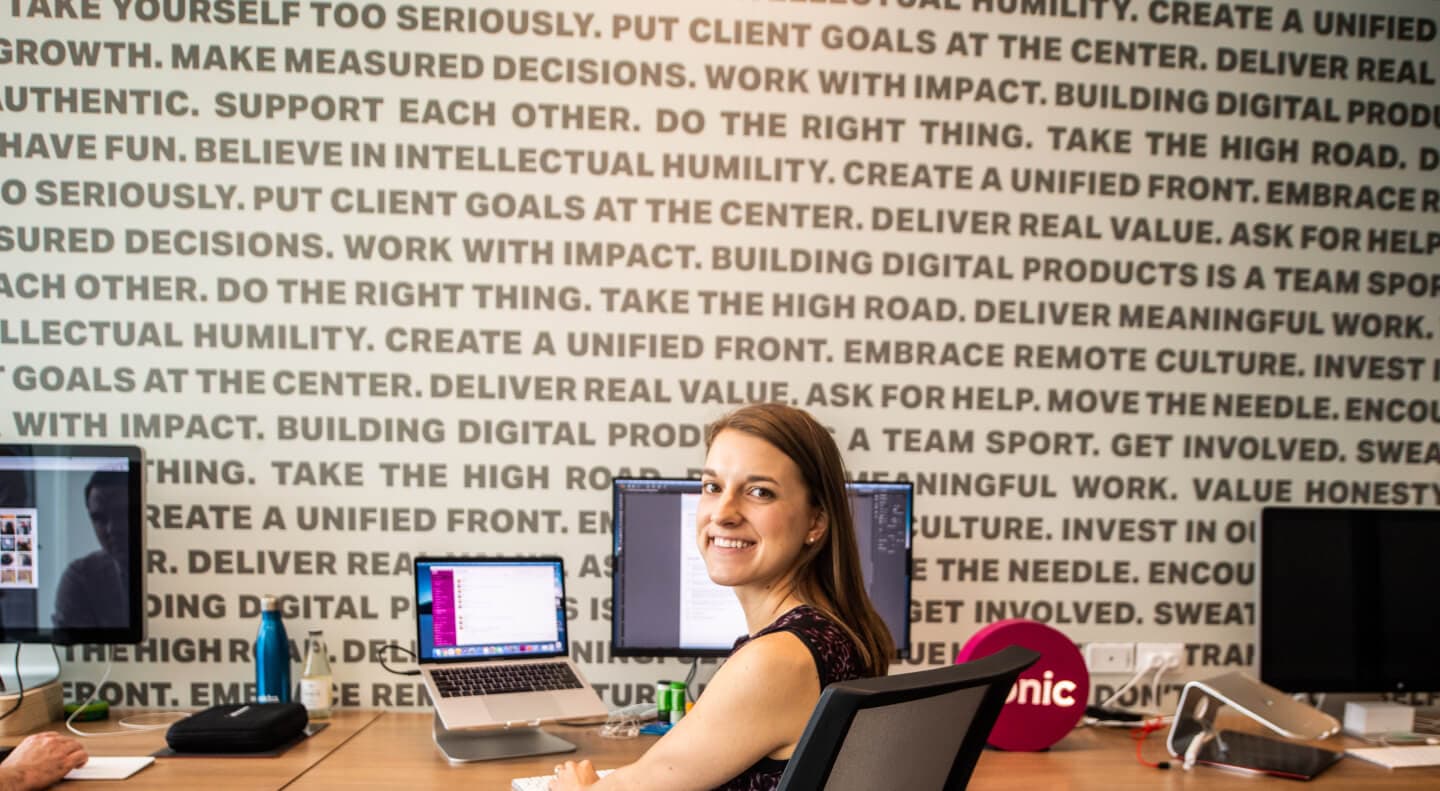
(911, 732)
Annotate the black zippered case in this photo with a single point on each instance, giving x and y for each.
(242, 728)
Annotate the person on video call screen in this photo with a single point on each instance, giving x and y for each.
(94, 590)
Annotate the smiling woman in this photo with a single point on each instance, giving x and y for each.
(826, 573)
(774, 524)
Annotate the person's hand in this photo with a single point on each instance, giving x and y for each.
(42, 759)
(572, 775)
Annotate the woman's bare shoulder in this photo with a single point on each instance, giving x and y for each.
(777, 652)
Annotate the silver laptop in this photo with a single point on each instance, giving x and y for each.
(493, 646)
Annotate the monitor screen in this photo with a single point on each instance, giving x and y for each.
(664, 602)
(1346, 599)
(71, 544)
(490, 608)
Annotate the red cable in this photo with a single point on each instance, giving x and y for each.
(1138, 734)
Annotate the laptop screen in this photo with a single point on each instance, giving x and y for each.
(492, 608)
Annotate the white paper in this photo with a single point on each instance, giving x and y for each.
(110, 767)
(1398, 757)
(710, 615)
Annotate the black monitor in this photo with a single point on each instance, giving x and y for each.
(71, 544)
(664, 603)
(1347, 599)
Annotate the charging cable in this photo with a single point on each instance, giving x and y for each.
(1138, 734)
(1114, 696)
(402, 649)
(128, 725)
(1192, 753)
(1160, 670)
(1156, 664)
(624, 723)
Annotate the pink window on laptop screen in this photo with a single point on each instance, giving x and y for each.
(442, 606)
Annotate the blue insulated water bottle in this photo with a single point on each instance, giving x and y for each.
(272, 656)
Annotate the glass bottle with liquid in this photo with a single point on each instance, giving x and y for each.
(316, 679)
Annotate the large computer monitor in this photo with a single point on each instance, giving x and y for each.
(71, 544)
(1347, 599)
(664, 603)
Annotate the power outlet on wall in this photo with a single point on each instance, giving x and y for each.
(1149, 656)
(1110, 657)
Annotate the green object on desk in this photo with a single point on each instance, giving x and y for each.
(94, 710)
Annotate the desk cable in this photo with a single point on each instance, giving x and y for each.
(690, 679)
(1158, 667)
(20, 698)
(1138, 734)
(624, 722)
(128, 725)
(1139, 731)
(402, 649)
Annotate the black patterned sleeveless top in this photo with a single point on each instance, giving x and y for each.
(837, 658)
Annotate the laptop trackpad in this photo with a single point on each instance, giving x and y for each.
(524, 707)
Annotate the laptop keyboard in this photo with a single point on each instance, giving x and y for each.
(459, 682)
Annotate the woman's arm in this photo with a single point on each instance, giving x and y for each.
(756, 706)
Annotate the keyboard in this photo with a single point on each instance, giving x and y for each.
(541, 783)
(1399, 757)
(457, 682)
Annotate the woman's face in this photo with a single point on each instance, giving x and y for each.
(754, 514)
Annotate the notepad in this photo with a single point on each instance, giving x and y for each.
(1399, 757)
(110, 767)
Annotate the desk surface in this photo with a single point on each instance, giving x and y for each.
(213, 773)
(397, 751)
(362, 750)
(1097, 759)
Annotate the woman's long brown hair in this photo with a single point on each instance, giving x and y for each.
(827, 575)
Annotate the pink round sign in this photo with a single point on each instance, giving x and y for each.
(1048, 698)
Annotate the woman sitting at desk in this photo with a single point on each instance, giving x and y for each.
(773, 523)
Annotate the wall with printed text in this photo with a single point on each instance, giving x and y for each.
(371, 280)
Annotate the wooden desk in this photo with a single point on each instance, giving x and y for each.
(363, 750)
(214, 773)
(1095, 759)
(397, 752)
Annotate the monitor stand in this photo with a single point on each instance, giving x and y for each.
(463, 746)
(1201, 701)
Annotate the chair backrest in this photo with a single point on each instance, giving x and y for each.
(918, 731)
